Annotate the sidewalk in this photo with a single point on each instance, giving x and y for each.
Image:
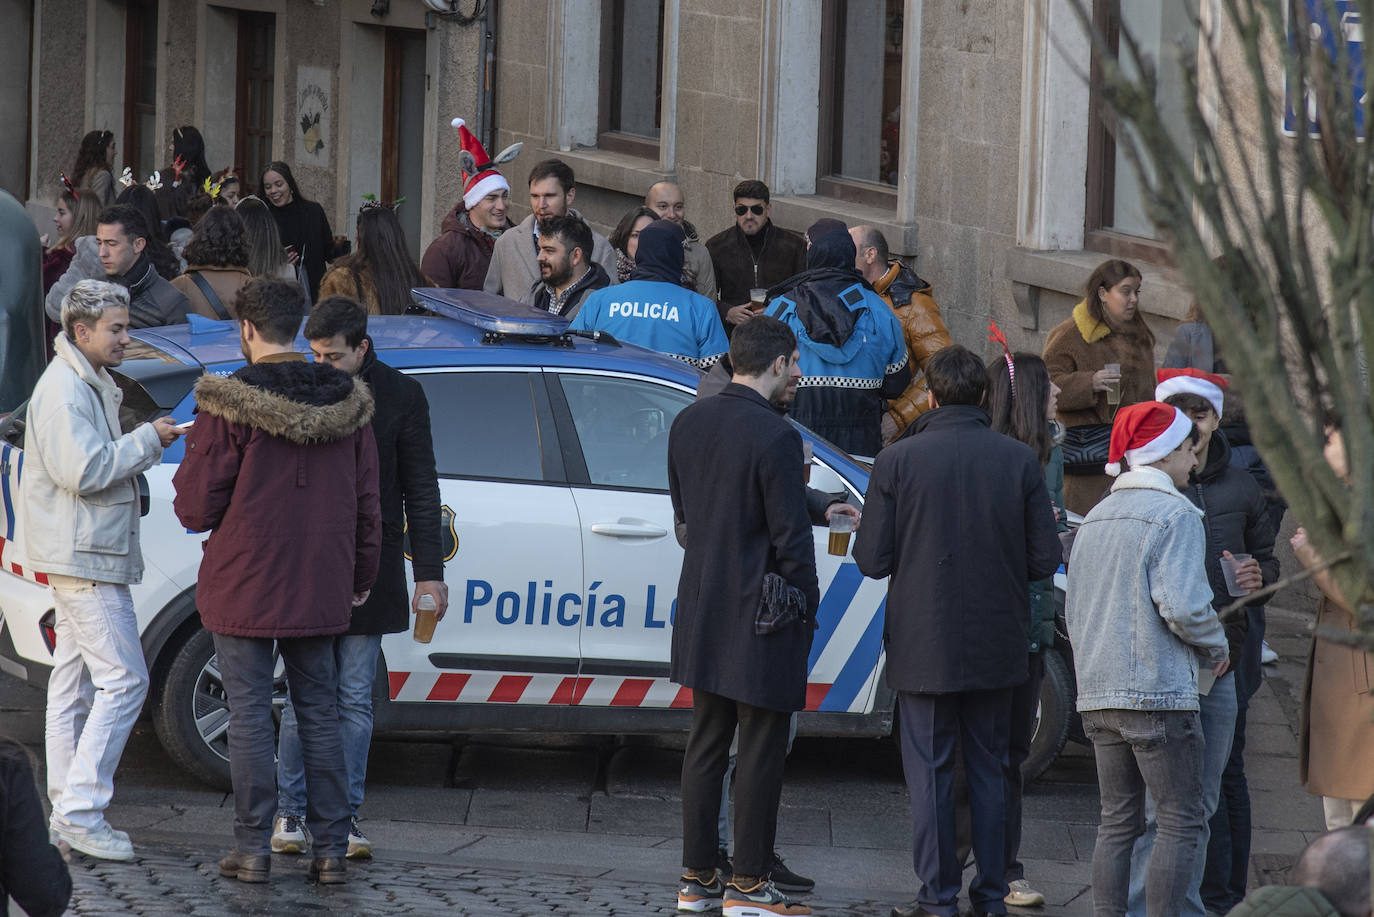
(500, 830)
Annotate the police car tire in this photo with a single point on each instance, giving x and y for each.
(174, 719)
(1056, 711)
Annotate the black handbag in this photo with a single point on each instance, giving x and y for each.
(780, 605)
(1085, 448)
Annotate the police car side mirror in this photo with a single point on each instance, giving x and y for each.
(824, 479)
(145, 501)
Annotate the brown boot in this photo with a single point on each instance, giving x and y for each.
(328, 871)
(245, 867)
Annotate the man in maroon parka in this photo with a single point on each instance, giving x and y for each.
(281, 469)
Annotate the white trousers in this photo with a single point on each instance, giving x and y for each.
(95, 692)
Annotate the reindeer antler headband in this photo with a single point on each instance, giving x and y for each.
(997, 335)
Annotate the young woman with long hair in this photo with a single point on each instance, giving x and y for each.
(1102, 358)
(94, 165)
(216, 264)
(76, 217)
(302, 223)
(165, 261)
(266, 256)
(380, 273)
(188, 150)
(1022, 401)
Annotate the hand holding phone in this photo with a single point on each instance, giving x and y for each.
(184, 427)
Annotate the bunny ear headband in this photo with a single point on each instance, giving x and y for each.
(997, 335)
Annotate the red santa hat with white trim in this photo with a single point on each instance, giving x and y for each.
(1192, 382)
(481, 179)
(1144, 433)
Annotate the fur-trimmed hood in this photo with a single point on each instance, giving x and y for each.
(302, 403)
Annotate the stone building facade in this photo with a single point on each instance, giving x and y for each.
(961, 129)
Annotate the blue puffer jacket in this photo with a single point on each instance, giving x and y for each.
(1139, 607)
(853, 353)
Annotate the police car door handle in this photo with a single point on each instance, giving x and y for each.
(628, 529)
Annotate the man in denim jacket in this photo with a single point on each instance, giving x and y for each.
(1141, 622)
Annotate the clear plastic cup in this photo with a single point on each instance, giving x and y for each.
(806, 461)
(841, 527)
(758, 298)
(1228, 573)
(1114, 393)
(426, 616)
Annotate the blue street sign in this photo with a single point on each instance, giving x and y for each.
(1333, 24)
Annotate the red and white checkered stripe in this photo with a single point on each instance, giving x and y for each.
(519, 688)
(11, 566)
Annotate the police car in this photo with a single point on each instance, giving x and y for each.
(560, 556)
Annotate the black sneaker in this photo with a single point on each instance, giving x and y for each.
(786, 879)
(724, 864)
(696, 896)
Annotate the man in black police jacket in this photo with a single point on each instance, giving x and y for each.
(735, 475)
(958, 518)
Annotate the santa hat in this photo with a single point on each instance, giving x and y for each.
(481, 178)
(1144, 433)
(1193, 382)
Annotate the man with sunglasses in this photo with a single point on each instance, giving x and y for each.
(752, 254)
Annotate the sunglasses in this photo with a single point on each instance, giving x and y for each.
(741, 210)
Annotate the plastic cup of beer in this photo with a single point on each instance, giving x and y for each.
(758, 298)
(1228, 573)
(426, 616)
(841, 527)
(806, 461)
(1114, 393)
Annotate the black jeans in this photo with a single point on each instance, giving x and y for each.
(758, 781)
(931, 725)
(245, 665)
(1023, 700)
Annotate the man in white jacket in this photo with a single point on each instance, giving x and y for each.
(79, 518)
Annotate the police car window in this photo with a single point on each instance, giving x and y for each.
(484, 425)
(623, 427)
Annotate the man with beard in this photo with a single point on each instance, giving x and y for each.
(567, 272)
(281, 470)
(853, 354)
(734, 456)
(698, 273)
(652, 310)
(514, 269)
(752, 253)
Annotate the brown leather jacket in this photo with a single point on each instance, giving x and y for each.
(925, 331)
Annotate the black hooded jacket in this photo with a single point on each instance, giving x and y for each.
(660, 256)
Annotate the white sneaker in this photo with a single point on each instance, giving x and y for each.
(102, 842)
(289, 835)
(1022, 895)
(359, 847)
(1267, 654)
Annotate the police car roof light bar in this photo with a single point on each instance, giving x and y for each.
(489, 312)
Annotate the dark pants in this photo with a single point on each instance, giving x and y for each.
(1161, 750)
(931, 725)
(1228, 850)
(245, 665)
(1023, 700)
(758, 781)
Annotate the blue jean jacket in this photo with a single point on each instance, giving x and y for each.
(1138, 605)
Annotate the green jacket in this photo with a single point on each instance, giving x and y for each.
(1042, 591)
(1284, 901)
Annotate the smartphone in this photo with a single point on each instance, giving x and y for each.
(184, 427)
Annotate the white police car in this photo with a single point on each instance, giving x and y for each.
(561, 562)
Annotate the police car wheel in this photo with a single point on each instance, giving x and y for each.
(192, 719)
(1052, 715)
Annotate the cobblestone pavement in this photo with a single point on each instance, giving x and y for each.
(168, 881)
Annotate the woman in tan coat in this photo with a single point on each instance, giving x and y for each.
(380, 274)
(1106, 327)
(216, 265)
(1336, 744)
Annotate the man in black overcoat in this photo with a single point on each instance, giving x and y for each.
(735, 475)
(959, 518)
(409, 484)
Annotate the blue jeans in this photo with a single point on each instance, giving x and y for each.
(356, 657)
(246, 665)
(1228, 849)
(1217, 714)
(1161, 750)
